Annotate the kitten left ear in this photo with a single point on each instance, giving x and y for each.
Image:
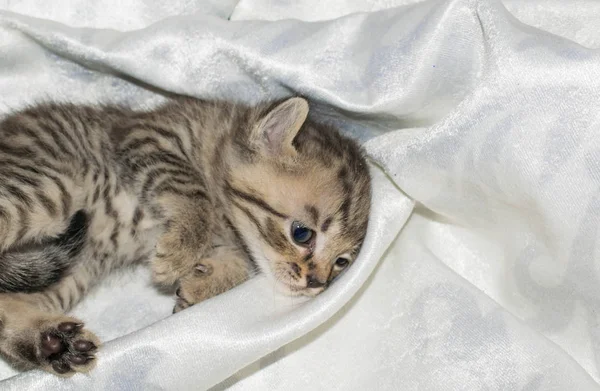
(277, 130)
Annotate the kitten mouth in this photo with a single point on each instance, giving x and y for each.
(289, 285)
(292, 290)
(312, 292)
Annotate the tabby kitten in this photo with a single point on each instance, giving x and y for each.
(204, 190)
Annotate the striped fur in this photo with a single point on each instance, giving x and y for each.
(206, 191)
(35, 267)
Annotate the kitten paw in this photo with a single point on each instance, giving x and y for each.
(66, 348)
(195, 287)
(210, 277)
(172, 260)
(163, 270)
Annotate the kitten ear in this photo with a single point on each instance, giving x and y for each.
(276, 131)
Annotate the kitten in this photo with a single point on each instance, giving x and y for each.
(203, 190)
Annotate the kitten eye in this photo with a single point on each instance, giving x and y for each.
(341, 262)
(301, 234)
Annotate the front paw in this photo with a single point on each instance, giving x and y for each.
(172, 260)
(165, 270)
(209, 278)
(197, 286)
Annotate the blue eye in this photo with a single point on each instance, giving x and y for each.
(301, 234)
(341, 262)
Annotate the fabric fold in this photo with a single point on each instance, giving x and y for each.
(481, 119)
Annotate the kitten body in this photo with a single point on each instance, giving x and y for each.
(202, 190)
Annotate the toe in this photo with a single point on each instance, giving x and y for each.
(51, 344)
(203, 269)
(61, 367)
(69, 327)
(80, 359)
(84, 346)
(180, 305)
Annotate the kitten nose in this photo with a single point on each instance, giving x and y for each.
(312, 282)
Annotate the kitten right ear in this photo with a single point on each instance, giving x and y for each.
(276, 131)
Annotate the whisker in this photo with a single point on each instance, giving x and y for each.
(290, 296)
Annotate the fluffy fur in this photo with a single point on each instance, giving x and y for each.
(203, 190)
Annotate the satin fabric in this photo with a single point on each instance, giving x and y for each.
(481, 119)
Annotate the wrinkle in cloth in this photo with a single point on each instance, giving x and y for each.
(480, 267)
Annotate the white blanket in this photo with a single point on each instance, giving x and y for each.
(480, 269)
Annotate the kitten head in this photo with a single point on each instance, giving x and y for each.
(300, 196)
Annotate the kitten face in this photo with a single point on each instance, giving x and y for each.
(302, 206)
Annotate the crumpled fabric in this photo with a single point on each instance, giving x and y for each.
(481, 118)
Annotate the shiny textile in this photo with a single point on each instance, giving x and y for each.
(481, 268)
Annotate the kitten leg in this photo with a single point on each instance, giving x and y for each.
(35, 333)
(224, 268)
(157, 157)
(173, 191)
(186, 237)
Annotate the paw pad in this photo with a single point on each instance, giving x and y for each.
(66, 349)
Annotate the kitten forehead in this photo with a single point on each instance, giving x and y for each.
(317, 189)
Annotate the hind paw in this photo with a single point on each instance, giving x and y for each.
(67, 348)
